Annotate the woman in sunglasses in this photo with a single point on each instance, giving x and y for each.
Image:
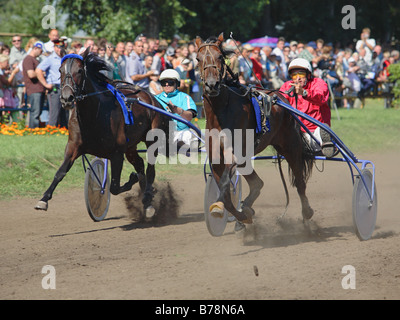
(311, 97)
(179, 103)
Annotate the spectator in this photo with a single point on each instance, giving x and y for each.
(148, 62)
(30, 43)
(365, 74)
(76, 47)
(155, 85)
(109, 58)
(121, 61)
(49, 45)
(278, 51)
(395, 54)
(135, 70)
(293, 50)
(274, 72)
(5, 50)
(366, 43)
(95, 49)
(183, 71)
(169, 58)
(102, 52)
(128, 49)
(246, 65)
(158, 59)
(319, 47)
(258, 68)
(17, 53)
(300, 48)
(49, 76)
(34, 88)
(7, 99)
(286, 52)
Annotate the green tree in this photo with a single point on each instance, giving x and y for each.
(123, 20)
(16, 16)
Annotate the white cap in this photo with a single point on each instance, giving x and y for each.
(170, 74)
(300, 63)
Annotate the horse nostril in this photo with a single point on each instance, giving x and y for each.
(70, 98)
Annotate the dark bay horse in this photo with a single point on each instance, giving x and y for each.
(97, 125)
(227, 108)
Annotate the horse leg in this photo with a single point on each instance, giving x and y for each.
(71, 154)
(117, 160)
(297, 165)
(255, 185)
(145, 180)
(224, 200)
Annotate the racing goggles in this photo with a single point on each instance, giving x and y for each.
(170, 82)
(298, 75)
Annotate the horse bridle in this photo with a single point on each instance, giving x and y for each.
(213, 64)
(76, 90)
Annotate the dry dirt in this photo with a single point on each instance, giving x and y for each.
(176, 257)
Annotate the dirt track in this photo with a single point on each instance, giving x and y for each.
(177, 258)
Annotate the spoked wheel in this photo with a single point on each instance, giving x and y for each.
(364, 211)
(97, 199)
(216, 226)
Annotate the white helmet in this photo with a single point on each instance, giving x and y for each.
(170, 74)
(300, 63)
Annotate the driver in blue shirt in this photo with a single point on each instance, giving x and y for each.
(179, 103)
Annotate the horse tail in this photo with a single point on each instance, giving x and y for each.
(306, 158)
(283, 180)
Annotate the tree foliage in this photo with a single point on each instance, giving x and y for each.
(125, 19)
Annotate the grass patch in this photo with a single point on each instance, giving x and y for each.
(29, 163)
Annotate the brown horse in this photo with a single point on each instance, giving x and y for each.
(228, 106)
(98, 126)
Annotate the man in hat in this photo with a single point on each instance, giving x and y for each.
(49, 75)
(311, 97)
(246, 65)
(34, 88)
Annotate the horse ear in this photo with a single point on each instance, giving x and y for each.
(86, 52)
(221, 37)
(199, 41)
(62, 52)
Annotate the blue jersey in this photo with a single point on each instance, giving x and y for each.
(181, 100)
(51, 66)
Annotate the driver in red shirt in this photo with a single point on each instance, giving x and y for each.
(312, 98)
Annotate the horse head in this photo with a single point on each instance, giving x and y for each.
(73, 76)
(211, 64)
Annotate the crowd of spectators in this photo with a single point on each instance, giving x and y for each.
(353, 69)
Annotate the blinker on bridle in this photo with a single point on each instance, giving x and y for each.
(213, 62)
(74, 87)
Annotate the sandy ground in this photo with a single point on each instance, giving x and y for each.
(176, 257)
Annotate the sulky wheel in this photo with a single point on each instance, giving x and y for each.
(364, 211)
(97, 199)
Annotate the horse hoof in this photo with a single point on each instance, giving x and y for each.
(150, 211)
(249, 212)
(41, 205)
(307, 213)
(239, 226)
(217, 209)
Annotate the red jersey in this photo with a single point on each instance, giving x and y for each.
(315, 104)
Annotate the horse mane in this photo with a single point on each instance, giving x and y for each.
(95, 64)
